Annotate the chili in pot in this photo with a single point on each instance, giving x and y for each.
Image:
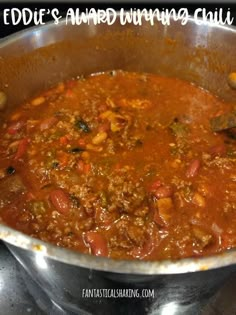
(124, 165)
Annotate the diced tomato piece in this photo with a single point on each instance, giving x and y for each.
(102, 108)
(117, 166)
(64, 140)
(70, 84)
(81, 142)
(97, 243)
(87, 168)
(83, 168)
(219, 113)
(15, 127)
(60, 201)
(22, 147)
(69, 93)
(48, 123)
(80, 166)
(63, 159)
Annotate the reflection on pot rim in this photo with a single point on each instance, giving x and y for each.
(105, 264)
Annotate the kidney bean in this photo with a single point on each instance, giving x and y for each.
(218, 150)
(30, 196)
(193, 168)
(97, 243)
(60, 201)
(216, 229)
(155, 185)
(15, 127)
(148, 247)
(163, 192)
(157, 219)
(48, 123)
(105, 127)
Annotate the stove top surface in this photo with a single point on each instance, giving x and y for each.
(20, 295)
(14, 297)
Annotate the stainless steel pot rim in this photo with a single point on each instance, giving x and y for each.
(24, 33)
(43, 249)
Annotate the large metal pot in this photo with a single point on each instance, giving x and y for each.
(35, 59)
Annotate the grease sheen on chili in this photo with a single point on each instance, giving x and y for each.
(123, 165)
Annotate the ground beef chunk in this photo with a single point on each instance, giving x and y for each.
(127, 195)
